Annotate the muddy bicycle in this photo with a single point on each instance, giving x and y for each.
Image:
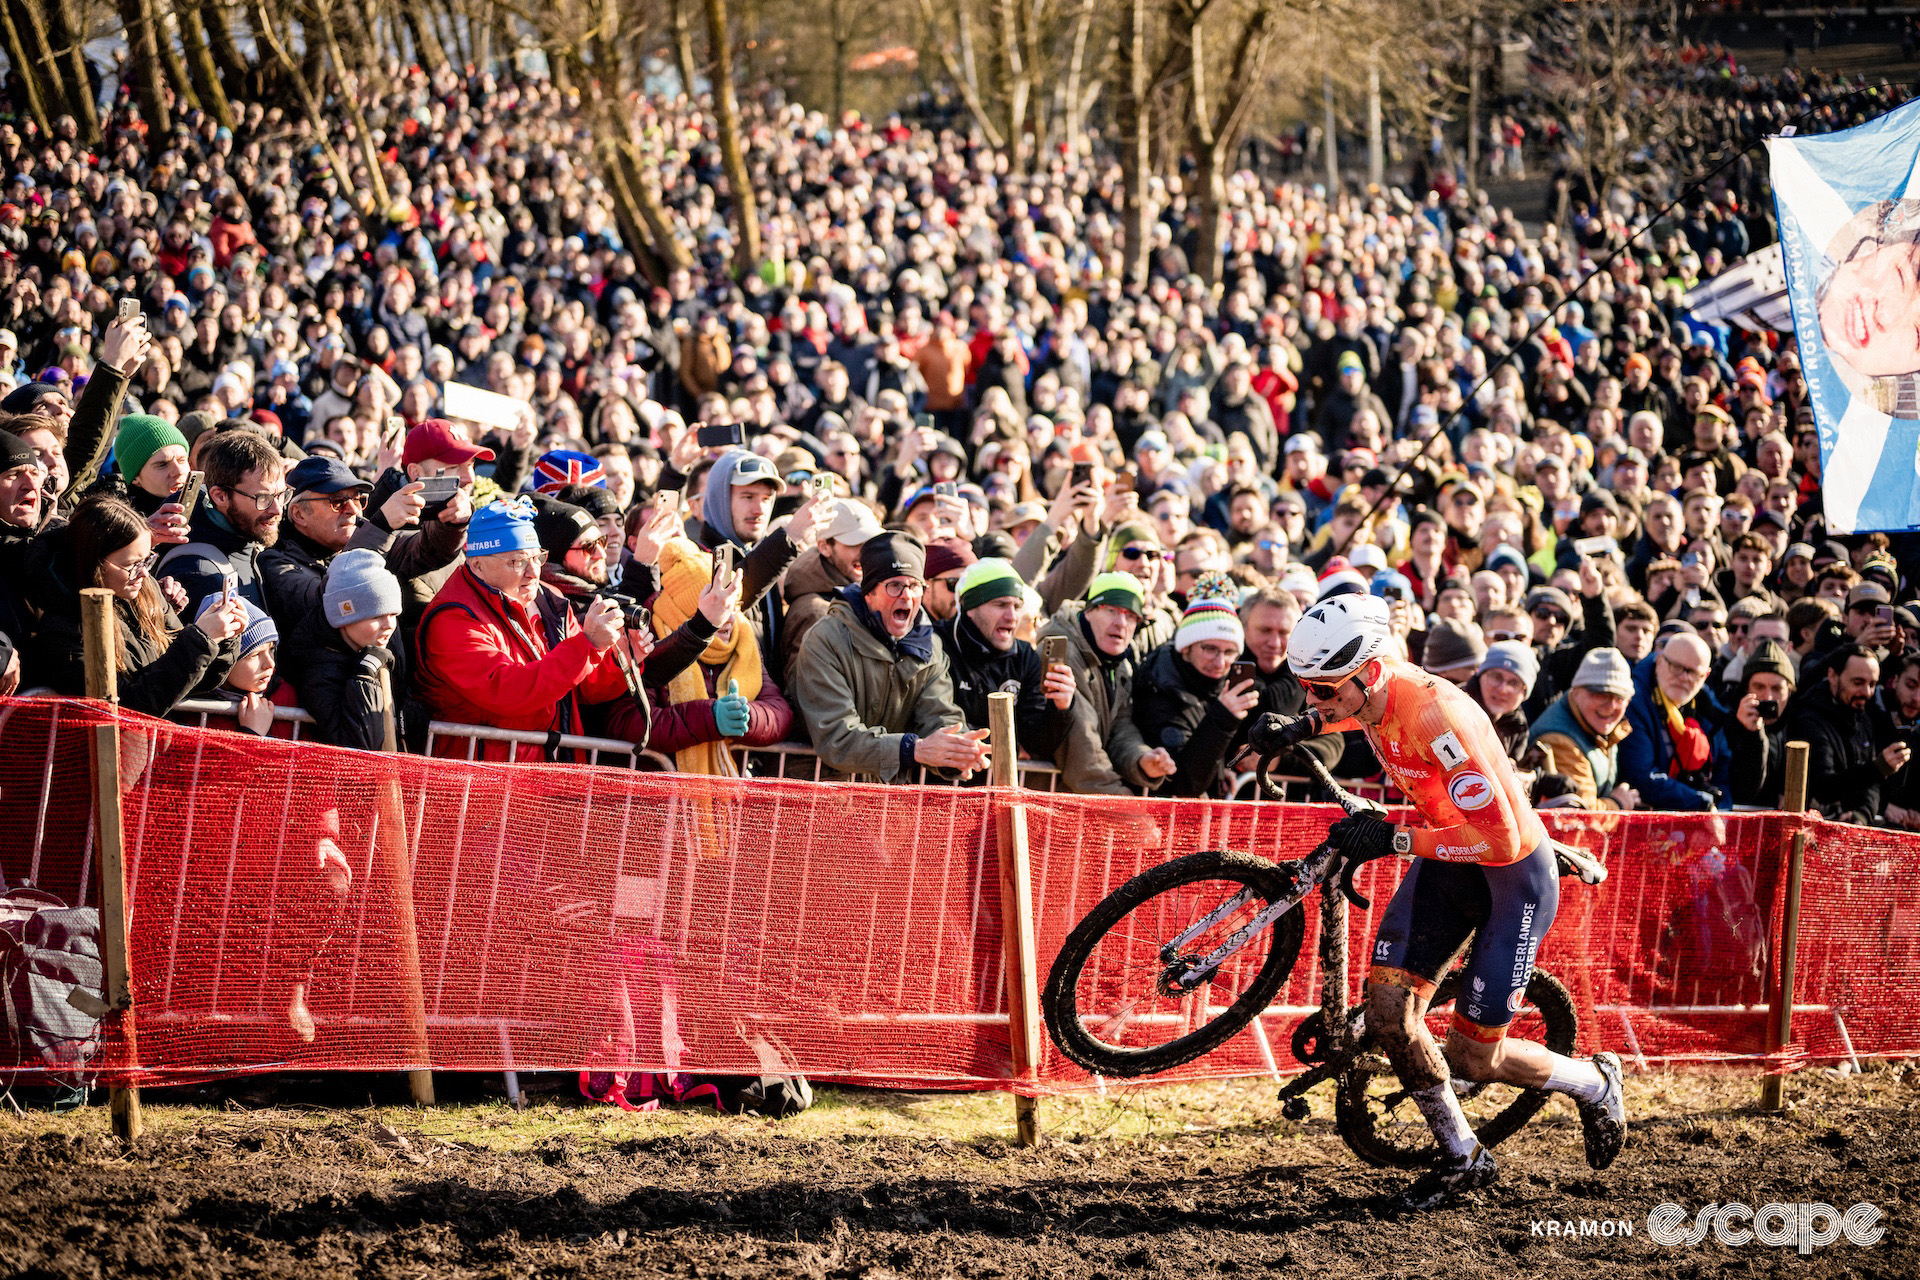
(1184, 956)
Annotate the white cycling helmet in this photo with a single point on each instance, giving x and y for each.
(1339, 635)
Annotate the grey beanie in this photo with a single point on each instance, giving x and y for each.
(1451, 645)
(359, 587)
(1605, 670)
(1513, 656)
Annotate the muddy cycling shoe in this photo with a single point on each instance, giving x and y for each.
(1603, 1124)
(1446, 1182)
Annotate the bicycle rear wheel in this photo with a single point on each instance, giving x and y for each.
(1108, 1004)
(1379, 1119)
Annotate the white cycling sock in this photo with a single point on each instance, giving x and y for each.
(1577, 1079)
(1448, 1122)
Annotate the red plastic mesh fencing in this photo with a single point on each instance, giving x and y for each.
(569, 916)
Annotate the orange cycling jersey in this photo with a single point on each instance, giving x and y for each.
(1439, 748)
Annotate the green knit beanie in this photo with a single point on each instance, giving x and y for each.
(141, 436)
(989, 579)
(1119, 589)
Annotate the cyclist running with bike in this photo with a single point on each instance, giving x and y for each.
(1484, 865)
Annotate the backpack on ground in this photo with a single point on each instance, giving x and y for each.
(51, 993)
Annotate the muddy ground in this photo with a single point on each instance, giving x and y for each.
(1196, 1181)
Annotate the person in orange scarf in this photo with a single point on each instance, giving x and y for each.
(726, 698)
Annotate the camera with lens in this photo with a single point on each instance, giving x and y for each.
(636, 614)
(1768, 708)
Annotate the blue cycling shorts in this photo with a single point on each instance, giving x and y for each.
(1506, 909)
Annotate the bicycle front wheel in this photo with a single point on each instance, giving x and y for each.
(1109, 1002)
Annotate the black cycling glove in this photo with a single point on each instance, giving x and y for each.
(1360, 838)
(1274, 733)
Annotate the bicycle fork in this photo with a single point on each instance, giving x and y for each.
(1183, 974)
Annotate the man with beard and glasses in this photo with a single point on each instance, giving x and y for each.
(237, 518)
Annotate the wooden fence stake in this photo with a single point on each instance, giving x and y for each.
(1780, 1015)
(1016, 918)
(99, 640)
(390, 852)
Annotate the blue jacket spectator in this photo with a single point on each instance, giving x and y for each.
(1675, 756)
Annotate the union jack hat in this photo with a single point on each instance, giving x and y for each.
(562, 467)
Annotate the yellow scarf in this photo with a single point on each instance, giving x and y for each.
(685, 571)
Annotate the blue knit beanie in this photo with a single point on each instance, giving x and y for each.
(502, 525)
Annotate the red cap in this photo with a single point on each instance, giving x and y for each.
(436, 440)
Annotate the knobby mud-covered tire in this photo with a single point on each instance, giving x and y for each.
(1358, 1118)
(1060, 1001)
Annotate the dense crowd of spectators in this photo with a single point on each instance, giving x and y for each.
(967, 456)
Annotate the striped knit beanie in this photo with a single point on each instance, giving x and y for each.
(1208, 620)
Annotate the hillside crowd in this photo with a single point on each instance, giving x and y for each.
(469, 457)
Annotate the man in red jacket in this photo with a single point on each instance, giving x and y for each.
(499, 648)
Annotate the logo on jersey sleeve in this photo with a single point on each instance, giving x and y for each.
(1470, 790)
(1448, 751)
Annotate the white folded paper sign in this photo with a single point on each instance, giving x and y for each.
(488, 408)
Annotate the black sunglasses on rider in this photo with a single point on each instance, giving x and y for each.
(1324, 690)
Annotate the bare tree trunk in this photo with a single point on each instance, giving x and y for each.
(840, 31)
(1075, 67)
(201, 65)
(1014, 86)
(24, 62)
(349, 94)
(143, 63)
(263, 27)
(1223, 129)
(427, 49)
(235, 72)
(1133, 113)
(963, 28)
(65, 38)
(680, 21)
(726, 116)
(170, 60)
(961, 70)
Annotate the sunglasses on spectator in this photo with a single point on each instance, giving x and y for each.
(1552, 615)
(1142, 553)
(338, 501)
(948, 580)
(898, 587)
(1496, 637)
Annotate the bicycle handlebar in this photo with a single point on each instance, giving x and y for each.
(1571, 861)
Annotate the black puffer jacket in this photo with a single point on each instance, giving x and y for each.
(1178, 708)
(980, 670)
(157, 678)
(340, 687)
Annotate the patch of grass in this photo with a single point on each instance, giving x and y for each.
(1718, 1100)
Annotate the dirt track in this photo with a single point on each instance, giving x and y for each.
(290, 1194)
